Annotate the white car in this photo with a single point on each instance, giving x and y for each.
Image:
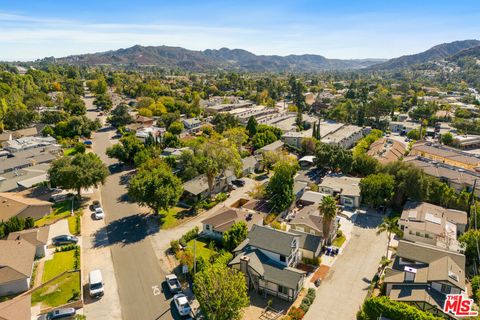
(181, 302)
(98, 214)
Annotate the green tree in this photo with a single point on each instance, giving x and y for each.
(328, 211)
(390, 226)
(119, 116)
(221, 292)
(84, 170)
(175, 127)
(377, 189)
(126, 149)
(469, 240)
(364, 165)
(280, 186)
(155, 186)
(103, 102)
(237, 136)
(235, 235)
(252, 126)
(447, 139)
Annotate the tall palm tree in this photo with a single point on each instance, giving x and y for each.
(328, 211)
(389, 225)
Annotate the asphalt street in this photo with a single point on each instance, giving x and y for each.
(138, 272)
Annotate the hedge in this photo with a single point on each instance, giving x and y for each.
(375, 307)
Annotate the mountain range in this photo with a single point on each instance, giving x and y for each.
(242, 60)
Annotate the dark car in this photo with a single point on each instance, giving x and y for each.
(59, 314)
(238, 183)
(64, 239)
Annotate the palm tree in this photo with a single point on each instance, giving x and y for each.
(389, 225)
(328, 211)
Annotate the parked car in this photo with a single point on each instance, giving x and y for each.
(182, 305)
(173, 284)
(238, 183)
(96, 204)
(64, 239)
(95, 283)
(98, 214)
(116, 136)
(58, 314)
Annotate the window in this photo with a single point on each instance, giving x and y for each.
(283, 258)
(418, 234)
(283, 289)
(427, 236)
(207, 227)
(445, 289)
(409, 276)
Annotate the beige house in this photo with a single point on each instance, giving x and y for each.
(422, 275)
(348, 188)
(15, 204)
(431, 224)
(16, 264)
(37, 237)
(225, 218)
(18, 308)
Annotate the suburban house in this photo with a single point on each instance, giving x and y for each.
(225, 218)
(192, 124)
(310, 197)
(15, 204)
(458, 178)
(18, 308)
(403, 127)
(257, 206)
(306, 161)
(144, 121)
(274, 146)
(268, 258)
(422, 275)
(197, 188)
(348, 188)
(444, 154)
(307, 221)
(431, 224)
(386, 150)
(249, 165)
(37, 237)
(16, 265)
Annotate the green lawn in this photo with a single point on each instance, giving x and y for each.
(61, 262)
(59, 292)
(60, 211)
(339, 241)
(72, 224)
(173, 217)
(202, 249)
(68, 152)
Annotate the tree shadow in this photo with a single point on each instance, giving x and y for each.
(366, 221)
(186, 213)
(125, 231)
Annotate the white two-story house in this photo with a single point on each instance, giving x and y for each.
(268, 258)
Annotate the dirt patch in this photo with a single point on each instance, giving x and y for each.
(321, 273)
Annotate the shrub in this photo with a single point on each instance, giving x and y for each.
(375, 307)
(222, 196)
(311, 293)
(296, 313)
(304, 306)
(66, 248)
(475, 282)
(175, 245)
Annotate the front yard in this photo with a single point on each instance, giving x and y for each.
(61, 262)
(173, 217)
(60, 210)
(59, 292)
(202, 249)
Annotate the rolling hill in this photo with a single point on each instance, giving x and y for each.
(440, 51)
(221, 59)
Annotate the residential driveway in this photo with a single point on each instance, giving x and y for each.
(57, 229)
(342, 292)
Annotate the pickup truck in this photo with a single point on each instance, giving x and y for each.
(173, 284)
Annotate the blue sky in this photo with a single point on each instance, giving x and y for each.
(336, 29)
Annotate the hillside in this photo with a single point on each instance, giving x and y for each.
(440, 51)
(208, 60)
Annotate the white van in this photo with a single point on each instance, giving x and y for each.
(95, 284)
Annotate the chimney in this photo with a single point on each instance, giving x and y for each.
(244, 260)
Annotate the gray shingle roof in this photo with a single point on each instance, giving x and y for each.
(271, 239)
(309, 242)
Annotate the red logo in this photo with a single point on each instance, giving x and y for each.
(459, 305)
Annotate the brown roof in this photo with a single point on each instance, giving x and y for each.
(16, 260)
(12, 204)
(257, 205)
(37, 236)
(226, 217)
(309, 216)
(17, 308)
(445, 152)
(386, 150)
